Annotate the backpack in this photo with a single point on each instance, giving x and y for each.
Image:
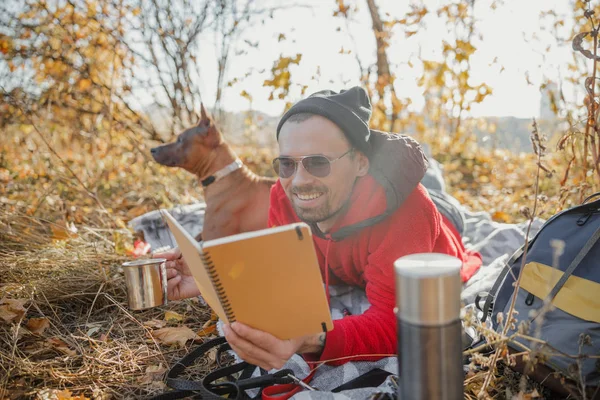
(569, 281)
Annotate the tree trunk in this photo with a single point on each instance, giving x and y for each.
(383, 66)
(384, 78)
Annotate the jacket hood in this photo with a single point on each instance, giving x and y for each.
(398, 164)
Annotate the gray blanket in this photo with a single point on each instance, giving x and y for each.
(495, 241)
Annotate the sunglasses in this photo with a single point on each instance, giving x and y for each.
(316, 165)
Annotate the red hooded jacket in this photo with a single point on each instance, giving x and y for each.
(365, 259)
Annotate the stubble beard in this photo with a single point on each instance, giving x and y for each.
(321, 214)
(316, 215)
(311, 215)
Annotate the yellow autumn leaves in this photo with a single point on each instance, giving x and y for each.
(179, 334)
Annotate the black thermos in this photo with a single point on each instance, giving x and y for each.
(428, 290)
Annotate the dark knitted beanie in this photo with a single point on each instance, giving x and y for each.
(349, 109)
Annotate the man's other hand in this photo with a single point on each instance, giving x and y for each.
(180, 282)
(265, 350)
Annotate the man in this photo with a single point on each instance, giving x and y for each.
(360, 193)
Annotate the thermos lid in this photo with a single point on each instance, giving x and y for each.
(428, 287)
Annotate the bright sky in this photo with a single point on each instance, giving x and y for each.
(312, 32)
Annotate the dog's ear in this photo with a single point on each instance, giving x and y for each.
(204, 118)
(212, 135)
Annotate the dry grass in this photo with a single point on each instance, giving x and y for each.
(94, 345)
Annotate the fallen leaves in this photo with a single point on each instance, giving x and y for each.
(12, 310)
(173, 316)
(59, 345)
(210, 326)
(155, 324)
(501, 216)
(63, 232)
(209, 330)
(93, 329)
(37, 326)
(174, 335)
(153, 373)
(138, 210)
(180, 334)
(54, 394)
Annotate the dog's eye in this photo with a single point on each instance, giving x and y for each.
(179, 139)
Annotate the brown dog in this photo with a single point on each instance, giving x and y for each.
(237, 202)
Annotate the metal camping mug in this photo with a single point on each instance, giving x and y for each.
(146, 282)
(428, 290)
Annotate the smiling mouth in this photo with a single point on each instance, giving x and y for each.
(309, 196)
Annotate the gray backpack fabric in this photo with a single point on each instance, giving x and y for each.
(570, 282)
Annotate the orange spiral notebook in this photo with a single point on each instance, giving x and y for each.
(267, 279)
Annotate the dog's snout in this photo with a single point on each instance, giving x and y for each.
(164, 155)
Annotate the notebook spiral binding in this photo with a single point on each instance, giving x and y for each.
(212, 272)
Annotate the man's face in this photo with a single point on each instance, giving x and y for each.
(320, 199)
